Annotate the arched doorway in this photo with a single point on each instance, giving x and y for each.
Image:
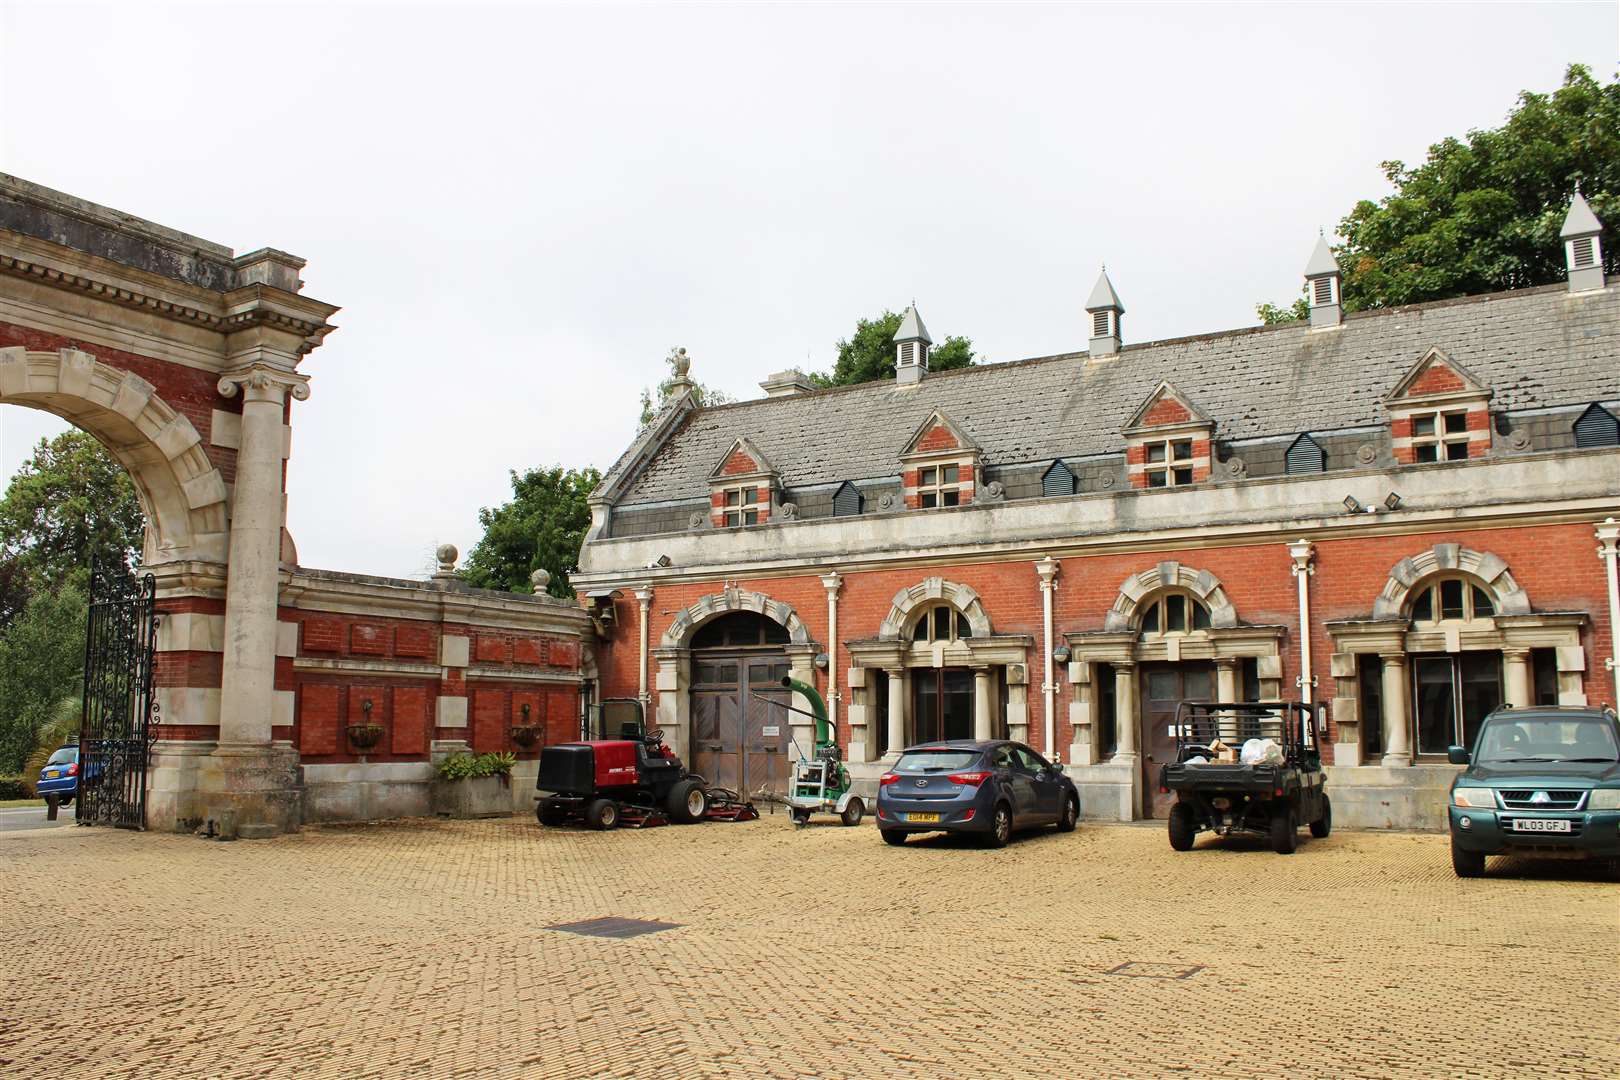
(740, 737)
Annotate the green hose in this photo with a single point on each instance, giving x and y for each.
(819, 707)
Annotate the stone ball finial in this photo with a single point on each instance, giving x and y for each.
(447, 556)
(683, 363)
(540, 579)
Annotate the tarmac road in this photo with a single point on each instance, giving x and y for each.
(14, 818)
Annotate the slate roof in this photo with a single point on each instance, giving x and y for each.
(1531, 347)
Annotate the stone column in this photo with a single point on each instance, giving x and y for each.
(897, 713)
(832, 582)
(1516, 665)
(981, 703)
(1125, 725)
(1226, 689)
(1397, 712)
(1608, 534)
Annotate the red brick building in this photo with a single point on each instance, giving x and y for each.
(1403, 514)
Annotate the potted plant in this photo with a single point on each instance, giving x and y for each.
(367, 733)
(525, 734)
(474, 785)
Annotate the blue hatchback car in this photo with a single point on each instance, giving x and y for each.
(60, 776)
(990, 789)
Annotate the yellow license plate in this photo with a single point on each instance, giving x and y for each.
(923, 818)
(51, 774)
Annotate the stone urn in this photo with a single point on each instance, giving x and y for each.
(365, 736)
(524, 735)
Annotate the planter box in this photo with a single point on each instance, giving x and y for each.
(486, 796)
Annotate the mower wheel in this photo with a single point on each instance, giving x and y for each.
(893, 836)
(854, 810)
(688, 802)
(602, 814)
(550, 814)
(801, 817)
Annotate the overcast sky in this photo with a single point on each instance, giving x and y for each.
(521, 209)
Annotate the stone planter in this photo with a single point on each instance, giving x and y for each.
(365, 736)
(484, 796)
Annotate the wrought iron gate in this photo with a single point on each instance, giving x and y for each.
(119, 724)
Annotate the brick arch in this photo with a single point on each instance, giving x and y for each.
(181, 492)
(961, 597)
(1491, 571)
(680, 632)
(1170, 575)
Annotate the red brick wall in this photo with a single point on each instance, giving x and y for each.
(739, 464)
(938, 437)
(1437, 378)
(1166, 411)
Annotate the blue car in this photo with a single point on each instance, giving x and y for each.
(60, 776)
(986, 788)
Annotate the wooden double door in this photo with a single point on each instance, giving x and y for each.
(1163, 688)
(740, 735)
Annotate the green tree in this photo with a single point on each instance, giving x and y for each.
(71, 505)
(41, 663)
(868, 354)
(542, 527)
(702, 395)
(1483, 213)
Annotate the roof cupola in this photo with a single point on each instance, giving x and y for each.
(1105, 309)
(1322, 282)
(1583, 247)
(911, 344)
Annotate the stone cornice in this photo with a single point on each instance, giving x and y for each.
(412, 600)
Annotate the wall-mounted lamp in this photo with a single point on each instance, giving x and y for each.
(1061, 654)
(1392, 501)
(822, 660)
(1353, 504)
(660, 562)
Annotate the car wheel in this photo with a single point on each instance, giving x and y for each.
(1324, 824)
(1467, 863)
(1000, 827)
(1283, 840)
(687, 802)
(893, 836)
(1183, 826)
(854, 810)
(1071, 814)
(602, 814)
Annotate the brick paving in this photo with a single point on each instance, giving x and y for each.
(419, 949)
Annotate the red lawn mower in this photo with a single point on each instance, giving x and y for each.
(633, 780)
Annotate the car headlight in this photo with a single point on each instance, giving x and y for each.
(1478, 798)
(1605, 799)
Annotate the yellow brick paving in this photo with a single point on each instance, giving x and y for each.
(418, 949)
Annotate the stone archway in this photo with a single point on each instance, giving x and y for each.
(680, 631)
(1490, 570)
(182, 494)
(1167, 575)
(961, 597)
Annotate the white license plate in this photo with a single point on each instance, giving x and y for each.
(1541, 825)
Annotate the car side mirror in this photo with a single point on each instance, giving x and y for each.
(1457, 755)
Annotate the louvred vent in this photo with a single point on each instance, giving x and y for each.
(1597, 426)
(1306, 456)
(1324, 290)
(1099, 324)
(1058, 480)
(1583, 251)
(847, 502)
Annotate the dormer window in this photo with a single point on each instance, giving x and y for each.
(1170, 463)
(1305, 455)
(742, 506)
(939, 485)
(1451, 599)
(1059, 480)
(1596, 426)
(941, 623)
(847, 501)
(1440, 435)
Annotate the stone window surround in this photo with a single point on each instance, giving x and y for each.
(1137, 440)
(1440, 437)
(735, 513)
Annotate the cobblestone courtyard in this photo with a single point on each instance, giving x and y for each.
(419, 948)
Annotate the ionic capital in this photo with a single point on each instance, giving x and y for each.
(263, 383)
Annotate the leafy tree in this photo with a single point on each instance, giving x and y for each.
(1483, 213)
(868, 354)
(41, 663)
(69, 506)
(702, 395)
(61, 728)
(542, 527)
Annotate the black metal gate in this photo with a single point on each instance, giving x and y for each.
(119, 723)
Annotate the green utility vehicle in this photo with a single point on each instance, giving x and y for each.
(820, 782)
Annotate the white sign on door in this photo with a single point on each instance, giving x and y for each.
(771, 730)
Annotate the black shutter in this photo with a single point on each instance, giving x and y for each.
(1597, 426)
(1058, 480)
(847, 501)
(1306, 456)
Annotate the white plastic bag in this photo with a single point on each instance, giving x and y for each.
(1261, 752)
(1197, 759)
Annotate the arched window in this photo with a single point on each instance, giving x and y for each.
(1173, 613)
(740, 629)
(941, 623)
(1451, 599)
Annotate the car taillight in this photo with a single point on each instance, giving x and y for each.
(73, 769)
(969, 779)
(886, 779)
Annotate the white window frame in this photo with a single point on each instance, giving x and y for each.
(1439, 441)
(938, 488)
(1164, 472)
(960, 628)
(734, 515)
(1437, 615)
(1158, 608)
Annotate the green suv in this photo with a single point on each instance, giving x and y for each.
(1543, 781)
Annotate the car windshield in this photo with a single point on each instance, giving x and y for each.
(65, 754)
(935, 760)
(1549, 738)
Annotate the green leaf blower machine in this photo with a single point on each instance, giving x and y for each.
(820, 781)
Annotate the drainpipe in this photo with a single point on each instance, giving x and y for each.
(644, 597)
(832, 583)
(1301, 551)
(1047, 568)
(1608, 535)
